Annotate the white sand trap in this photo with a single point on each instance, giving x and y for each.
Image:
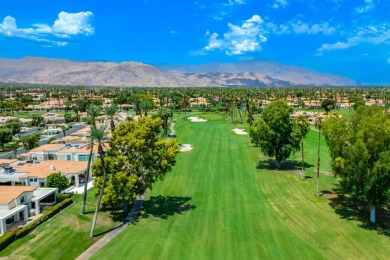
(196, 119)
(240, 131)
(185, 147)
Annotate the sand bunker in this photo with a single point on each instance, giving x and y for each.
(196, 119)
(185, 147)
(240, 131)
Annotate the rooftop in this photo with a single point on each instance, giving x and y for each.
(45, 168)
(9, 193)
(47, 147)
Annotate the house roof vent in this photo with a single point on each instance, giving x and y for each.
(52, 167)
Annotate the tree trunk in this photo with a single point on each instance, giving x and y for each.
(112, 125)
(303, 162)
(86, 177)
(318, 162)
(100, 197)
(372, 214)
(124, 206)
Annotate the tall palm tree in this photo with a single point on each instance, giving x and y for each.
(98, 135)
(110, 112)
(92, 113)
(304, 128)
(318, 125)
(164, 113)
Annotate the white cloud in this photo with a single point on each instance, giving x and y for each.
(371, 35)
(300, 27)
(368, 6)
(239, 39)
(66, 26)
(222, 10)
(235, 2)
(279, 4)
(73, 24)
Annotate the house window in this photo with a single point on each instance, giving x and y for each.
(32, 179)
(68, 157)
(21, 215)
(22, 199)
(83, 157)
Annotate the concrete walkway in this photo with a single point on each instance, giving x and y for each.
(110, 235)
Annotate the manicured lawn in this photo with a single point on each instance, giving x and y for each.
(65, 236)
(219, 203)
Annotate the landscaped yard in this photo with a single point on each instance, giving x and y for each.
(64, 236)
(219, 203)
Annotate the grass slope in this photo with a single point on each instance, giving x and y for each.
(218, 203)
(65, 236)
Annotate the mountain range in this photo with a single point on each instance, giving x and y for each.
(35, 70)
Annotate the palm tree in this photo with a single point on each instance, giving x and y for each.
(164, 113)
(15, 146)
(92, 113)
(304, 128)
(98, 135)
(318, 125)
(146, 105)
(110, 112)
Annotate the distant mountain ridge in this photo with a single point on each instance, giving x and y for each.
(36, 70)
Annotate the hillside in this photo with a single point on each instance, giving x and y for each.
(250, 74)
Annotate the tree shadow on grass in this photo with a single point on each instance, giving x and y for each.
(353, 209)
(165, 206)
(288, 165)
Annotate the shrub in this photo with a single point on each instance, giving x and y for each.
(57, 180)
(46, 208)
(51, 139)
(6, 239)
(63, 196)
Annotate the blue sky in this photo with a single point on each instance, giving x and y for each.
(346, 37)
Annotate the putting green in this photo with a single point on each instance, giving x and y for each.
(216, 204)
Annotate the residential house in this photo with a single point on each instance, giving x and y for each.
(17, 202)
(35, 174)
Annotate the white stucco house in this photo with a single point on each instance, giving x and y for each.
(17, 203)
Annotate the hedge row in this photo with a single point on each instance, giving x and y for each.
(63, 196)
(11, 236)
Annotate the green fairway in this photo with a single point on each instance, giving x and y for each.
(65, 236)
(219, 203)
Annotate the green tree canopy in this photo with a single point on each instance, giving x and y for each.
(275, 132)
(328, 104)
(30, 141)
(360, 151)
(5, 137)
(137, 160)
(57, 180)
(37, 120)
(14, 125)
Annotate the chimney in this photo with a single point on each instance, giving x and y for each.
(52, 167)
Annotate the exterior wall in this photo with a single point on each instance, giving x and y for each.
(34, 181)
(37, 156)
(4, 207)
(12, 204)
